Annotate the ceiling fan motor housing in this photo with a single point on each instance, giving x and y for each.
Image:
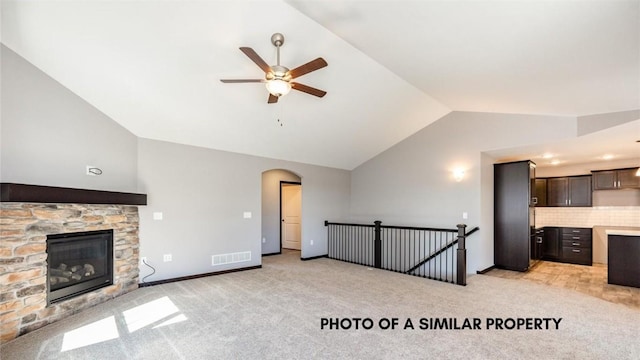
(278, 72)
(277, 39)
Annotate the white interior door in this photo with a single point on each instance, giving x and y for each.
(291, 218)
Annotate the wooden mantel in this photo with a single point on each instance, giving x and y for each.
(23, 193)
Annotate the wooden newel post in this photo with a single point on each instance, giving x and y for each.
(377, 243)
(462, 256)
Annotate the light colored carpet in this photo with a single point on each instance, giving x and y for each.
(275, 313)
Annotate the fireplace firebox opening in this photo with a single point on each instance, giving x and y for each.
(78, 263)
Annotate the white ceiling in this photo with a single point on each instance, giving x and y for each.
(394, 66)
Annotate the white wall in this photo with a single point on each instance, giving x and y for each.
(203, 194)
(412, 183)
(49, 135)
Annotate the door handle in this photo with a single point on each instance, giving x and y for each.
(282, 220)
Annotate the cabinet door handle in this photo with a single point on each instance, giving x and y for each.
(576, 231)
(575, 250)
(575, 244)
(576, 237)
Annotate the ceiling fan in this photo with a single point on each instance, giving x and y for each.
(279, 78)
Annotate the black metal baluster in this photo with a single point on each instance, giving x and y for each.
(446, 259)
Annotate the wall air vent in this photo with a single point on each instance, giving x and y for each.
(231, 258)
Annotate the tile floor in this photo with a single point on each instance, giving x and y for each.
(590, 280)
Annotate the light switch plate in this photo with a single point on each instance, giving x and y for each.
(157, 216)
(247, 215)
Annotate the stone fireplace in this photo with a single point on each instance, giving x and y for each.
(25, 224)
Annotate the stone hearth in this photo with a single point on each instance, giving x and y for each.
(23, 268)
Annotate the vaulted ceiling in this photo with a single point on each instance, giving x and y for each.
(394, 66)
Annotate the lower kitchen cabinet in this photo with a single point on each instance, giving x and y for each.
(551, 244)
(568, 245)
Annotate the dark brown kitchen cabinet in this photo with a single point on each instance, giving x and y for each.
(616, 179)
(557, 191)
(541, 192)
(551, 245)
(577, 246)
(514, 221)
(569, 191)
(623, 268)
(567, 245)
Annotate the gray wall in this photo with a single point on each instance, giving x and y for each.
(49, 135)
(271, 221)
(412, 183)
(592, 123)
(203, 193)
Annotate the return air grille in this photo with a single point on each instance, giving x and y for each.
(231, 258)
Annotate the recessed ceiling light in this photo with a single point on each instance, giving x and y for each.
(608, 157)
(555, 162)
(547, 156)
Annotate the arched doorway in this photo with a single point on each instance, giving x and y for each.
(281, 211)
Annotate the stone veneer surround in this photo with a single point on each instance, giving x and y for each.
(23, 268)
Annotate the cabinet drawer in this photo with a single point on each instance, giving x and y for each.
(576, 231)
(576, 237)
(576, 244)
(576, 255)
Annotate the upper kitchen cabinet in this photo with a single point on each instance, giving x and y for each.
(616, 179)
(569, 191)
(541, 192)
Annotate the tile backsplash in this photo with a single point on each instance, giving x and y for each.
(588, 216)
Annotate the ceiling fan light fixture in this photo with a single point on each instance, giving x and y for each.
(278, 87)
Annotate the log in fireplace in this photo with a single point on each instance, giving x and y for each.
(78, 263)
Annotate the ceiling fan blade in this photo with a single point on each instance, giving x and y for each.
(308, 89)
(272, 99)
(312, 65)
(256, 59)
(235, 81)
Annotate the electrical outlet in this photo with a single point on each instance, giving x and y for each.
(264, 240)
(167, 257)
(465, 215)
(311, 242)
(143, 260)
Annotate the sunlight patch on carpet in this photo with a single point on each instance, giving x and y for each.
(96, 332)
(174, 320)
(149, 313)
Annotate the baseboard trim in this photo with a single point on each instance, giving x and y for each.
(166, 281)
(274, 253)
(480, 272)
(314, 257)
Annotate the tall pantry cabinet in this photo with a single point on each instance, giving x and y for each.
(514, 216)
